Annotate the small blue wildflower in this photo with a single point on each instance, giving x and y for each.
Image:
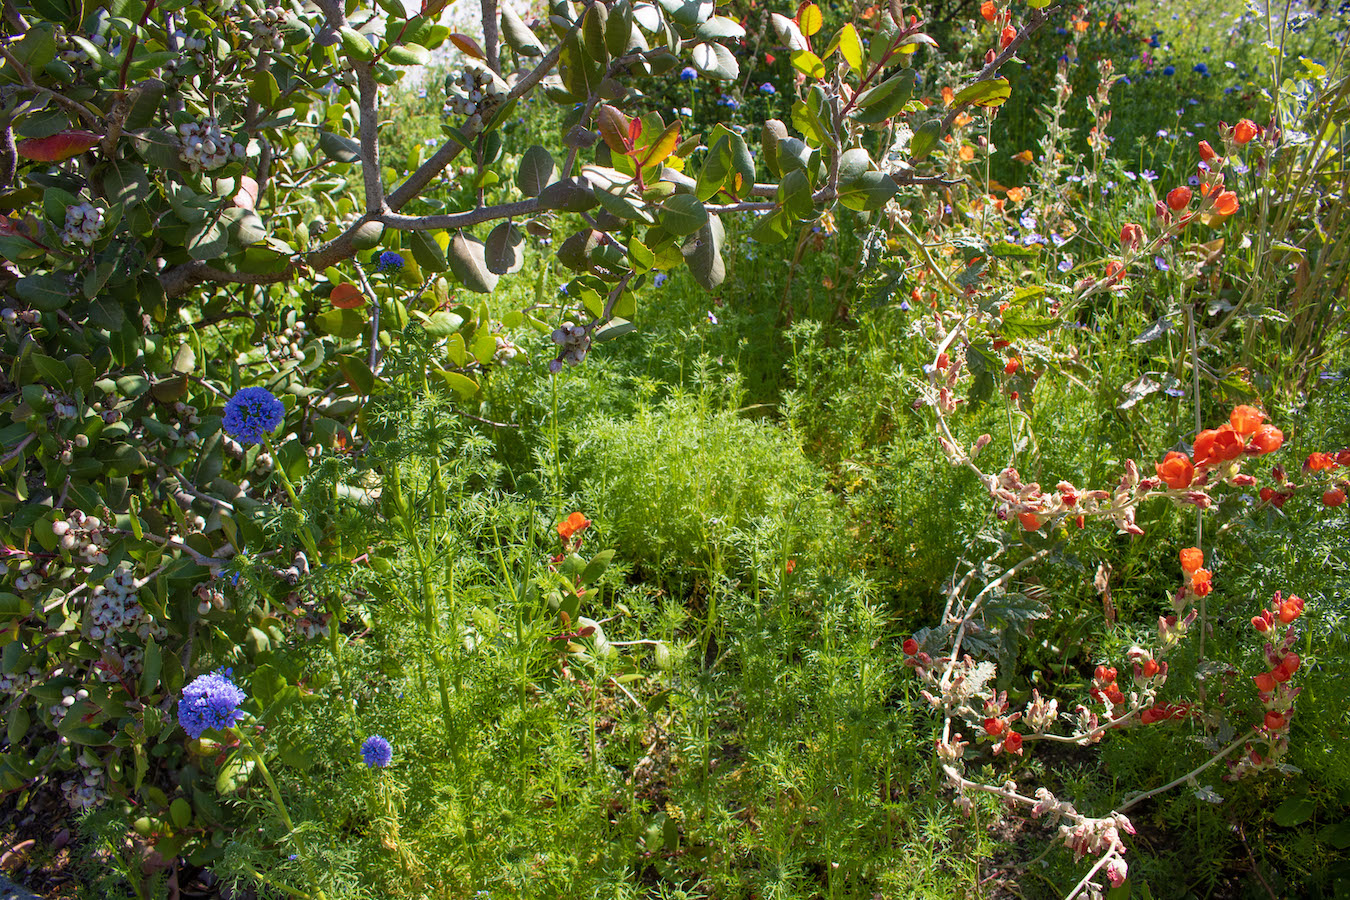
(1193, 181)
(1241, 168)
(688, 73)
(252, 414)
(660, 279)
(1149, 175)
(1061, 30)
(712, 318)
(210, 701)
(1065, 264)
(388, 261)
(1161, 132)
(1058, 239)
(767, 88)
(1130, 175)
(1125, 79)
(1175, 392)
(1201, 69)
(1032, 237)
(1161, 264)
(1169, 70)
(377, 752)
(904, 306)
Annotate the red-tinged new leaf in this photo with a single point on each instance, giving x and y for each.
(467, 45)
(347, 296)
(634, 130)
(57, 147)
(662, 147)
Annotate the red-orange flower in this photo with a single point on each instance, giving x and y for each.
(1245, 419)
(1202, 582)
(988, 10)
(1265, 682)
(1176, 470)
(1333, 497)
(1192, 558)
(1008, 35)
(1013, 365)
(1030, 521)
(910, 646)
(574, 523)
(1275, 721)
(1318, 461)
(1131, 236)
(1244, 131)
(1206, 151)
(1226, 203)
(1291, 609)
(1179, 198)
(1204, 446)
(1267, 439)
(994, 727)
(1013, 743)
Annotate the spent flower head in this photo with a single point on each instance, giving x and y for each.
(210, 701)
(252, 414)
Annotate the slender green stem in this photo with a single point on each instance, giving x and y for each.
(276, 886)
(246, 744)
(305, 537)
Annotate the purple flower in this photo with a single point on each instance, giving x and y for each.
(388, 261)
(1201, 69)
(1169, 70)
(377, 752)
(767, 88)
(1149, 175)
(252, 414)
(1161, 264)
(1193, 181)
(688, 73)
(210, 701)
(904, 306)
(1065, 264)
(659, 279)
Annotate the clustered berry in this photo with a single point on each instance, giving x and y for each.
(84, 221)
(267, 29)
(205, 148)
(574, 342)
(475, 94)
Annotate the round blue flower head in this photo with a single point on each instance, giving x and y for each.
(252, 414)
(376, 752)
(1169, 70)
(210, 701)
(768, 88)
(688, 73)
(388, 261)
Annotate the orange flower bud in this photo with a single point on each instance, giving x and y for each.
(1131, 236)
(1333, 497)
(1008, 35)
(1244, 131)
(910, 646)
(1206, 151)
(994, 727)
(1013, 365)
(1013, 743)
(1176, 470)
(988, 10)
(1179, 198)
(1192, 558)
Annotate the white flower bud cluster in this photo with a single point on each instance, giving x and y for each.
(181, 429)
(190, 43)
(69, 697)
(15, 316)
(290, 343)
(206, 147)
(82, 536)
(209, 598)
(19, 681)
(63, 407)
(115, 608)
(84, 791)
(83, 223)
(30, 574)
(68, 448)
(476, 94)
(267, 29)
(574, 341)
(506, 351)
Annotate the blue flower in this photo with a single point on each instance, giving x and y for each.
(210, 701)
(1065, 264)
(1201, 69)
(1161, 264)
(1149, 175)
(1169, 70)
(688, 73)
(388, 261)
(377, 752)
(904, 306)
(767, 88)
(660, 279)
(252, 414)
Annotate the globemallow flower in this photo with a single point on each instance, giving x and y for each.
(210, 701)
(377, 752)
(252, 414)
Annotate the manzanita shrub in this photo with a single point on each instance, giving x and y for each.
(211, 270)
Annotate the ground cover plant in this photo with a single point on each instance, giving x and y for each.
(670, 450)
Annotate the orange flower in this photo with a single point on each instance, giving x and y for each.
(1192, 558)
(1202, 582)
(1030, 521)
(1291, 609)
(1080, 26)
(967, 153)
(1265, 682)
(1226, 203)
(1244, 131)
(910, 646)
(947, 95)
(994, 727)
(1131, 236)
(1179, 198)
(988, 10)
(574, 523)
(1016, 194)
(1267, 439)
(1204, 446)
(1013, 743)
(1206, 151)
(1012, 366)
(1333, 497)
(1274, 721)
(1245, 420)
(1176, 470)
(1023, 157)
(1008, 35)
(1228, 445)
(1318, 461)
(791, 566)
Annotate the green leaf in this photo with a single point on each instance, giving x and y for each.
(264, 89)
(924, 140)
(536, 171)
(427, 251)
(338, 148)
(862, 188)
(151, 667)
(849, 46)
(43, 292)
(1294, 811)
(462, 385)
(703, 254)
(504, 249)
(807, 63)
(343, 323)
(408, 55)
(985, 93)
(597, 566)
(518, 35)
(886, 100)
(234, 774)
(356, 45)
(468, 262)
(683, 214)
(207, 240)
(716, 61)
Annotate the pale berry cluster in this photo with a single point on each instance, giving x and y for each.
(290, 343)
(69, 697)
(205, 148)
(84, 790)
(574, 342)
(82, 535)
(475, 94)
(15, 316)
(84, 221)
(267, 29)
(209, 597)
